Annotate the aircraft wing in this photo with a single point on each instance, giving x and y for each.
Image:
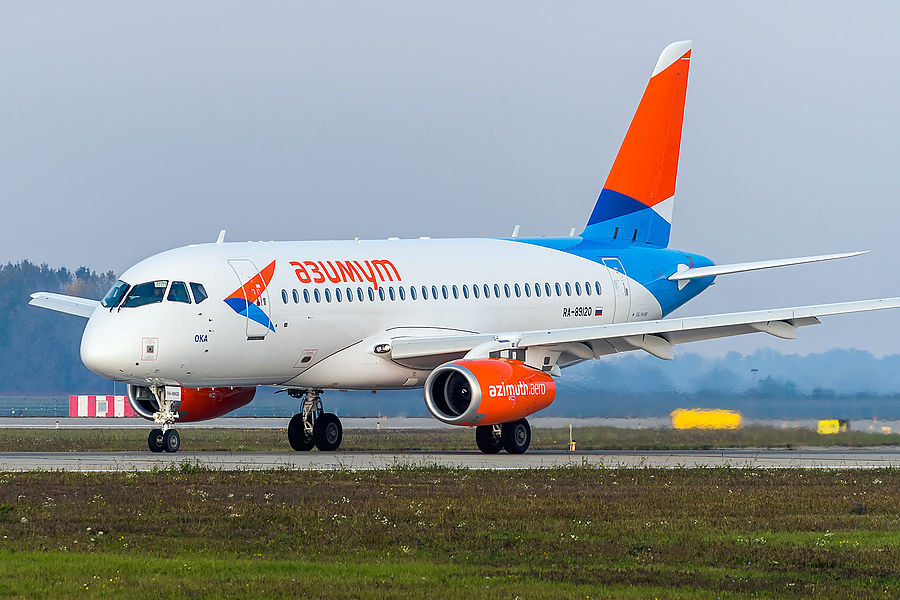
(655, 337)
(72, 305)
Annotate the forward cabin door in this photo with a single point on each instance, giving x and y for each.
(256, 294)
(620, 285)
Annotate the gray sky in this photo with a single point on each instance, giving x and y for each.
(126, 130)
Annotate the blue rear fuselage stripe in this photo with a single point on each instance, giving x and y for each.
(647, 264)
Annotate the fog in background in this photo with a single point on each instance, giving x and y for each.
(129, 129)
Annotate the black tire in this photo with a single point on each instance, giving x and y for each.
(486, 441)
(516, 436)
(171, 441)
(327, 432)
(155, 440)
(297, 437)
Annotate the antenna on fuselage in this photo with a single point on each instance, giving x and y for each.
(515, 233)
(221, 239)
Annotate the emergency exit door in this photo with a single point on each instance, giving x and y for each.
(620, 285)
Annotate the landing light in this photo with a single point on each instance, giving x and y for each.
(382, 348)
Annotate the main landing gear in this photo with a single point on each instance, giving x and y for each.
(164, 438)
(312, 426)
(514, 437)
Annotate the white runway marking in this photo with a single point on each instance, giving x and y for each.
(806, 458)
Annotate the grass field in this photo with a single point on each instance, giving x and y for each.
(447, 533)
(587, 438)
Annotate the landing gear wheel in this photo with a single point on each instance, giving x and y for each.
(155, 440)
(516, 436)
(297, 435)
(327, 432)
(486, 440)
(171, 441)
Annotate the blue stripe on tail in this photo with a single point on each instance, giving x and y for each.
(617, 216)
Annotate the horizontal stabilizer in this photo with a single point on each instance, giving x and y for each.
(71, 305)
(714, 270)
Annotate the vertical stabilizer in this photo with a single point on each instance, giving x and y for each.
(637, 198)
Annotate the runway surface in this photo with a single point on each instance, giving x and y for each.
(807, 458)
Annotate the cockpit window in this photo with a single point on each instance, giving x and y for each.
(146, 293)
(115, 294)
(199, 292)
(178, 293)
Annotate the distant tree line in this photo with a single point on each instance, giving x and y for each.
(39, 356)
(39, 348)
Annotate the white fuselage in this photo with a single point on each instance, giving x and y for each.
(329, 342)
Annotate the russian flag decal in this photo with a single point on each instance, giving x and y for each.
(598, 312)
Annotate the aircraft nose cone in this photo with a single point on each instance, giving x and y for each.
(104, 350)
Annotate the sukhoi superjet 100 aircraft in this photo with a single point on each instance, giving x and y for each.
(483, 325)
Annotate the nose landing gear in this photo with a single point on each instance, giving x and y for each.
(164, 438)
(312, 426)
(167, 440)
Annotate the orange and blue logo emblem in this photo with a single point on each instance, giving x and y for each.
(246, 299)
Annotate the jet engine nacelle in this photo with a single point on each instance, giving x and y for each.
(196, 404)
(487, 391)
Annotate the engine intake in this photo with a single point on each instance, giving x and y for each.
(487, 391)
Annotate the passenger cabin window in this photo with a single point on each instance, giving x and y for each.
(487, 291)
(178, 293)
(597, 287)
(306, 296)
(337, 295)
(412, 293)
(456, 292)
(283, 294)
(547, 289)
(577, 288)
(528, 290)
(475, 290)
(568, 289)
(295, 296)
(537, 290)
(359, 294)
(199, 292)
(349, 295)
(114, 295)
(146, 293)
